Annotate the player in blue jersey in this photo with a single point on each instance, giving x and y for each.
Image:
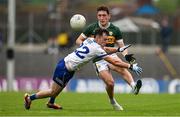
(91, 48)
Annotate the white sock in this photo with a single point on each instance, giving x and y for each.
(113, 101)
(132, 84)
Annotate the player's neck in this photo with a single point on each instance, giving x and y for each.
(104, 27)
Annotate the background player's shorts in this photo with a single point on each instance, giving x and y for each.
(61, 74)
(102, 64)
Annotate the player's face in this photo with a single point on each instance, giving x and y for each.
(103, 40)
(103, 17)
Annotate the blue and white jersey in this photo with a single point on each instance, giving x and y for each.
(88, 50)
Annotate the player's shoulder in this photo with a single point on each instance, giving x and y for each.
(90, 28)
(93, 25)
(89, 40)
(92, 42)
(113, 26)
(115, 29)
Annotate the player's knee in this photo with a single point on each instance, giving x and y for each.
(53, 93)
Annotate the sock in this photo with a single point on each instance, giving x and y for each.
(132, 84)
(113, 101)
(33, 97)
(51, 100)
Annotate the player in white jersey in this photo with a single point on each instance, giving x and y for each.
(87, 51)
(65, 69)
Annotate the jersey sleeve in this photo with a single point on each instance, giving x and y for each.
(118, 34)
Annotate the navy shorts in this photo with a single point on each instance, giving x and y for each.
(61, 74)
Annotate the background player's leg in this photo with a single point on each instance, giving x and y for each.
(128, 78)
(106, 76)
(126, 75)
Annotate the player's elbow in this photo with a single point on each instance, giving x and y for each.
(78, 42)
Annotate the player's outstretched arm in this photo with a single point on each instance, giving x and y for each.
(134, 67)
(111, 50)
(128, 57)
(120, 44)
(116, 62)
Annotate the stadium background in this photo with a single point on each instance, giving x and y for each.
(39, 23)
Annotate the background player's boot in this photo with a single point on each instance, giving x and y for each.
(116, 106)
(27, 101)
(54, 106)
(137, 87)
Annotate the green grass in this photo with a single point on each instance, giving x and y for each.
(93, 104)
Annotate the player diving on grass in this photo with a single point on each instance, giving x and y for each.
(103, 67)
(91, 48)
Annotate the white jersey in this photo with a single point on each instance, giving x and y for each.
(88, 50)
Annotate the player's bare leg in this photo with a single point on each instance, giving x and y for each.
(50, 103)
(123, 72)
(106, 76)
(52, 92)
(126, 75)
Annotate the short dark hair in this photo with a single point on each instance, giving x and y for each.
(103, 8)
(100, 32)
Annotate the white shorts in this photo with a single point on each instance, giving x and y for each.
(102, 64)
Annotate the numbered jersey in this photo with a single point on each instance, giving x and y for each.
(88, 50)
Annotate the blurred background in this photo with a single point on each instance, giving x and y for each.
(35, 34)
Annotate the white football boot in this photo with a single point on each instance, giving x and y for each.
(117, 107)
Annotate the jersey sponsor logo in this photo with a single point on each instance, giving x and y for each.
(111, 40)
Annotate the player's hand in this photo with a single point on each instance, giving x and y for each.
(123, 48)
(130, 58)
(136, 69)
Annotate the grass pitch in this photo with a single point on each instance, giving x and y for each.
(93, 104)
